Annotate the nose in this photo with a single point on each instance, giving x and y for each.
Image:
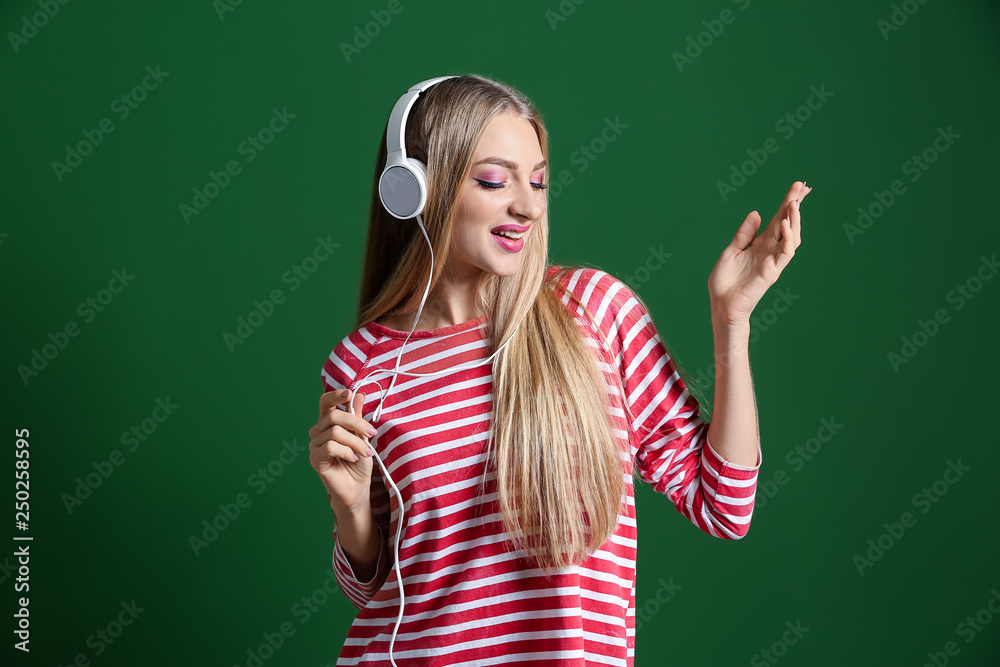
(528, 202)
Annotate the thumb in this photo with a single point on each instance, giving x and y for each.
(747, 231)
(359, 401)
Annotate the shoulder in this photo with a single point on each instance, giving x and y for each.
(348, 358)
(609, 301)
(601, 292)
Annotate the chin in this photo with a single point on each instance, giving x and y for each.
(497, 261)
(511, 272)
(505, 267)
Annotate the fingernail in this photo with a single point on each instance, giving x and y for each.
(343, 394)
(371, 452)
(372, 431)
(356, 457)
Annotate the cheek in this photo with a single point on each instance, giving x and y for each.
(480, 209)
(466, 222)
(485, 204)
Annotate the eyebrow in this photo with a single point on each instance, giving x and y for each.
(508, 164)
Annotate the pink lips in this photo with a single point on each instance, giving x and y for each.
(511, 228)
(509, 245)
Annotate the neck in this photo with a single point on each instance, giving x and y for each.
(452, 301)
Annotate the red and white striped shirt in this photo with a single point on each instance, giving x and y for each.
(470, 597)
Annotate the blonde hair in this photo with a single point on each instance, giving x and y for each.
(560, 469)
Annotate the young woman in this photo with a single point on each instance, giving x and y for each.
(518, 535)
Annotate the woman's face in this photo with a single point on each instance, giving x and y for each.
(502, 192)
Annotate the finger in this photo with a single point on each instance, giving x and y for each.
(359, 407)
(746, 232)
(359, 403)
(331, 399)
(793, 193)
(339, 431)
(795, 223)
(350, 439)
(336, 450)
(346, 419)
(787, 246)
(338, 425)
(326, 450)
(805, 191)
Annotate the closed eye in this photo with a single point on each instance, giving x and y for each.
(491, 185)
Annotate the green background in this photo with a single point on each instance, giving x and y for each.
(824, 356)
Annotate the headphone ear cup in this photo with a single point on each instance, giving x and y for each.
(403, 188)
(420, 172)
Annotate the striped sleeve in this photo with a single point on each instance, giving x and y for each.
(336, 371)
(359, 592)
(674, 453)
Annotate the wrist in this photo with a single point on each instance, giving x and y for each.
(353, 514)
(731, 342)
(729, 328)
(723, 318)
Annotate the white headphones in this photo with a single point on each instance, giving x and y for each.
(402, 187)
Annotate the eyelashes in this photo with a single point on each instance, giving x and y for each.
(490, 185)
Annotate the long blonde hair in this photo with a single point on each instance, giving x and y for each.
(560, 470)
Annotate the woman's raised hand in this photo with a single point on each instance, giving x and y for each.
(750, 264)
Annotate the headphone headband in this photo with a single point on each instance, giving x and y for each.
(402, 187)
(394, 139)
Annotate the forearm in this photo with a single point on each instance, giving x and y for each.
(359, 540)
(733, 431)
